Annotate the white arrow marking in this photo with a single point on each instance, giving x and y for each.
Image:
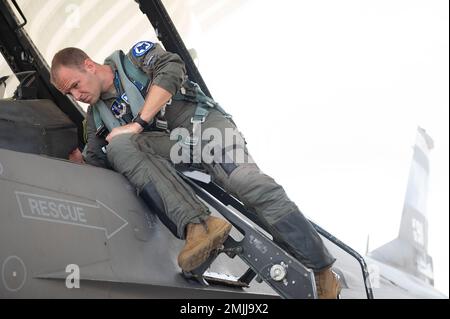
(67, 212)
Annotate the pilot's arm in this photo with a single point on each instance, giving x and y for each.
(166, 72)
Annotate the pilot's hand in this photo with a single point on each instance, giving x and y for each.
(75, 156)
(133, 128)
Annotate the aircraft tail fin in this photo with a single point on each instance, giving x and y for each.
(409, 251)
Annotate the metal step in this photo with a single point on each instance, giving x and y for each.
(282, 272)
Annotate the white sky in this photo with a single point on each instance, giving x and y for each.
(329, 95)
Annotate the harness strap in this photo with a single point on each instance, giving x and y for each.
(193, 93)
(139, 78)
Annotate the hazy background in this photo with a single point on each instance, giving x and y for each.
(329, 95)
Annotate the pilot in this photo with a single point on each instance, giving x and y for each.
(136, 103)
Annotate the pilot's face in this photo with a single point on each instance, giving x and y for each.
(82, 83)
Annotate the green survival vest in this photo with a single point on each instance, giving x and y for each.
(131, 78)
(135, 82)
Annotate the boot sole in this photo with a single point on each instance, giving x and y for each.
(222, 235)
(201, 254)
(196, 258)
(334, 291)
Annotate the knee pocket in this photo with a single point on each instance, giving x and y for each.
(120, 140)
(121, 144)
(234, 176)
(249, 179)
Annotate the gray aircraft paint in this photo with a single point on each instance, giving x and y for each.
(140, 260)
(408, 251)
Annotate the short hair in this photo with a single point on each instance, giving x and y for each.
(68, 57)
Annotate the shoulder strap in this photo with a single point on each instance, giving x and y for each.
(134, 94)
(136, 75)
(102, 115)
(132, 78)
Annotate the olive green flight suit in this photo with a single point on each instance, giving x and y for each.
(145, 159)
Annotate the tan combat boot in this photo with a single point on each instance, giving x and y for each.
(327, 283)
(201, 240)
